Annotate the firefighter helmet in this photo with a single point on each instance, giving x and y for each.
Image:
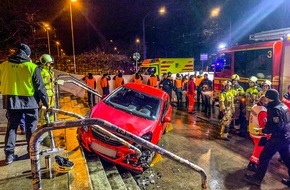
(253, 79)
(235, 77)
(45, 58)
(227, 82)
(266, 82)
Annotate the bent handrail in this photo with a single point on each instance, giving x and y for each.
(34, 152)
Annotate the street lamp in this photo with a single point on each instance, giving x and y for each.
(47, 28)
(57, 47)
(215, 13)
(72, 34)
(161, 11)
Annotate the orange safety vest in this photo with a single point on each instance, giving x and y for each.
(178, 83)
(119, 81)
(153, 81)
(104, 82)
(90, 82)
(198, 81)
(138, 81)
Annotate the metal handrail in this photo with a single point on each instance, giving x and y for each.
(71, 79)
(34, 152)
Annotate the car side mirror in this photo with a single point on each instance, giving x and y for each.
(167, 119)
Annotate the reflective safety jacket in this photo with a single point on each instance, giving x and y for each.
(178, 83)
(258, 119)
(104, 82)
(226, 101)
(119, 81)
(137, 80)
(153, 81)
(21, 83)
(48, 80)
(91, 82)
(252, 97)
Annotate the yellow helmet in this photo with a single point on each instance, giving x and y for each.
(227, 82)
(253, 79)
(235, 77)
(266, 82)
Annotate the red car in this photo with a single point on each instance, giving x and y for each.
(137, 108)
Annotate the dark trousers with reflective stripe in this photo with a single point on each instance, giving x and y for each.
(14, 120)
(272, 146)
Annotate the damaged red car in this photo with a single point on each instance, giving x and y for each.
(137, 108)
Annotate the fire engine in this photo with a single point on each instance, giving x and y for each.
(265, 60)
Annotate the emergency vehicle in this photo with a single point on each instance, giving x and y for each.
(158, 66)
(265, 60)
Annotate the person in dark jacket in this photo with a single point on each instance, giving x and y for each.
(21, 82)
(278, 125)
(167, 85)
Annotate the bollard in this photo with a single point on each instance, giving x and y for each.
(48, 166)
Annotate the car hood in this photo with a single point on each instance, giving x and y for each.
(125, 120)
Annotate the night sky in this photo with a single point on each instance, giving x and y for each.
(185, 31)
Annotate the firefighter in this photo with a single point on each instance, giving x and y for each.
(258, 119)
(278, 125)
(252, 97)
(177, 85)
(266, 85)
(190, 94)
(47, 74)
(286, 98)
(92, 83)
(238, 92)
(227, 107)
(153, 80)
(138, 78)
(119, 80)
(105, 84)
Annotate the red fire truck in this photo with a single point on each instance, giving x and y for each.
(265, 60)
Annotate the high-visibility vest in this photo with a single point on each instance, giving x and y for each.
(22, 74)
(138, 81)
(198, 81)
(258, 119)
(104, 82)
(90, 82)
(47, 77)
(178, 83)
(119, 81)
(153, 81)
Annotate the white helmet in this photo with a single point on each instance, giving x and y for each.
(253, 79)
(227, 82)
(266, 82)
(45, 58)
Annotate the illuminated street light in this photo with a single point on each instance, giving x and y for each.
(215, 13)
(161, 11)
(57, 48)
(47, 28)
(137, 41)
(72, 34)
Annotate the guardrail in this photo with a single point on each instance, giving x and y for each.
(97, 124)
(67, 78)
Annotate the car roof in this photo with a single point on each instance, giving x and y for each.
(146, 89)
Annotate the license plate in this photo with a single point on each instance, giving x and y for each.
(104, 150)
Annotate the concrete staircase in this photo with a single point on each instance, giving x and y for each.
(90, 172)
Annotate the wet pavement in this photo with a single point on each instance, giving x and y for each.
(194, 138)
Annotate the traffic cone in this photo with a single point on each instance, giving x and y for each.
(169, 127)
(157, 158)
